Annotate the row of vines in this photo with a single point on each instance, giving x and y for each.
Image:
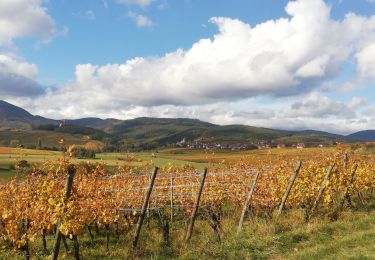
(38, 206)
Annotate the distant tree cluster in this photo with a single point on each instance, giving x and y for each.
(81, 152)
(94, 134)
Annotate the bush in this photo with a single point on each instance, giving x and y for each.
(22, 166)
(81, 153)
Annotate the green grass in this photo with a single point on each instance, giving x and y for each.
(11, 155)
(5, 172)
(197, 158)
(48, 138)
(288, 237)
(159, 159)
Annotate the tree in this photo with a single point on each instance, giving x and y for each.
(14, 143)
(39, 143)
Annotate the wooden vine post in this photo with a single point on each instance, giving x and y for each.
(25, 226)
(67, 193)
(76, 247)
(196, 206)
(44, 241)
(322, 188)
(345, 166)
(289, 188)
(247, 202)
(346, 192)
(144, 208)
(171, 181)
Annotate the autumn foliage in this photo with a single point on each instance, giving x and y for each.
(104, 198)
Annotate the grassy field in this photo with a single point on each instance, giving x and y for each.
(288, 237)
(48, 138)
(219, 156)
(197, 158)
(9, 156)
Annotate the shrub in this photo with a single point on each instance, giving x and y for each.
(81, 153)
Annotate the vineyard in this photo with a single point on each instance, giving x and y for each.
(64, 201)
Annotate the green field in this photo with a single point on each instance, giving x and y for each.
(48, 138)
(9, 156)
(288, 237)
(198, 158)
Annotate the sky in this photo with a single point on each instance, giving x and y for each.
(301, 64)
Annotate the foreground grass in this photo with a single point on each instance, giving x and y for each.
(5, 172)
(287, 237)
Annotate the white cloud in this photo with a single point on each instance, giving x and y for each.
(12, 65)
(366, 61)
(22, 18)
(17, 77)
(19, 18)
(141, 20)
(319, 106)
(141, 3)
(214, 80)
(356, 115)
(278, 57)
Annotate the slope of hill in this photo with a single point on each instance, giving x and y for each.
(364, 136)
(106, 125)
(48, 139)
(320, 133)
(13, 117)
(241, 132)
(146, 132)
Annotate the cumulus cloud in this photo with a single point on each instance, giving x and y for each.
(17, 78)
(141, 20)
(282, 114)
(141, 3)
(320, 106)
(19, 18)
(285, 59)
(366, 61)
(282, 57)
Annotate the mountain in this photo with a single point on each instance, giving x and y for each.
(321, 133)
(97, 123)
(364, 136)
(13, 117)
(146, 132)
(12, 112)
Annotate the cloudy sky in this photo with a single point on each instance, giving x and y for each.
(303, 64)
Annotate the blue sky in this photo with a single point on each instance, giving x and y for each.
(101, 35)
(130, 58)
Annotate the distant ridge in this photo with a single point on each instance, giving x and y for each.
(366, 136)
(13, 117)
(148, 132)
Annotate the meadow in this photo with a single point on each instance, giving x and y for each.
(10, 156)
(197, 158)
